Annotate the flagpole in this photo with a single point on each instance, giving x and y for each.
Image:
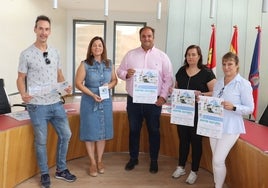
(211, 60)
(258, 28)
(234, 43)
(254, 76)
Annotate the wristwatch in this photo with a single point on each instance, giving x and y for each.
(234, 108)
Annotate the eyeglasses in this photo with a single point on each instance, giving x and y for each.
(220, 93)
(45, 54)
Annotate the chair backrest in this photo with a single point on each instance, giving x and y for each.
(4, 102)
(264, 118)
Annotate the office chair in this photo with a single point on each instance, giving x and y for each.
(264, 118)
(5, 106)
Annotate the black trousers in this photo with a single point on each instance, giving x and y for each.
(136, 114)
(188, 137)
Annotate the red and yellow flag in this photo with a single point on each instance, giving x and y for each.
(234, 44)
(211, 62)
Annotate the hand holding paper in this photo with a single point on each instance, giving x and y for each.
(64, 88)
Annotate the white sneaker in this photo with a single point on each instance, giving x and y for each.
(178, 172)
(191, 178)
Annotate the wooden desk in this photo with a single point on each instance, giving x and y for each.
(247, 164)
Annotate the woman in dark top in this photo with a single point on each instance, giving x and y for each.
(193, 75)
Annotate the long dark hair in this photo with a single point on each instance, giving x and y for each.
(199, 52)
(90, 58)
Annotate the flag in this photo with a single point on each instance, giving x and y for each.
(254, 72)
(211, 62)
(234, 45)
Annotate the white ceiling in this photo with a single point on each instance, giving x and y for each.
(115, 5)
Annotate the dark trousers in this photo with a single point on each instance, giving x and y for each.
(189, 137)
(136, 113)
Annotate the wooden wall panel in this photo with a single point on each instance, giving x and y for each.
(246, 164)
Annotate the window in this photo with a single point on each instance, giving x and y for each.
(126, 37)
(84, 31)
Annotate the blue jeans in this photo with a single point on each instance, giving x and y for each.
(136, 113)
(40, 116)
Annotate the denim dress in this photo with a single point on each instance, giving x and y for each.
(96, 119)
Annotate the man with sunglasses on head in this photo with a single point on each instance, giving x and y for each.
(40, 67)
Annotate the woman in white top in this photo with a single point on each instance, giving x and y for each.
(238, 101)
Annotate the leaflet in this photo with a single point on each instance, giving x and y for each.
(145, 86)
(104, 92)
(19, 115)
(182, 107)
(210, 120)
(49, 88)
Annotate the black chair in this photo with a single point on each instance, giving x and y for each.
(5, 106)
(264, 118)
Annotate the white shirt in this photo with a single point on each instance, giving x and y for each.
(238, 92)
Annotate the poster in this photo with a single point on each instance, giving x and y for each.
(182, 107)
(145, 86)
(210, 117)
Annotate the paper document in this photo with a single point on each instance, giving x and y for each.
(49, 88)
(20, 115)
(182, 107)
(210, 117)
(104, 92)
(145, 86)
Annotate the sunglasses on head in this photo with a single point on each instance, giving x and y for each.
(220, 93)
(45, 54)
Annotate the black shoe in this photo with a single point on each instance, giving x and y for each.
(153, 167)
(131, 164)
(45, 180)
(65, 175)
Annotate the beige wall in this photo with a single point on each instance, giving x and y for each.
(17, 18)
(17, 22)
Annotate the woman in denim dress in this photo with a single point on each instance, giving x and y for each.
(96, 113)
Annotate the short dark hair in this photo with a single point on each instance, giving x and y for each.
(231, 56)
(41, 17)
(147, 27)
